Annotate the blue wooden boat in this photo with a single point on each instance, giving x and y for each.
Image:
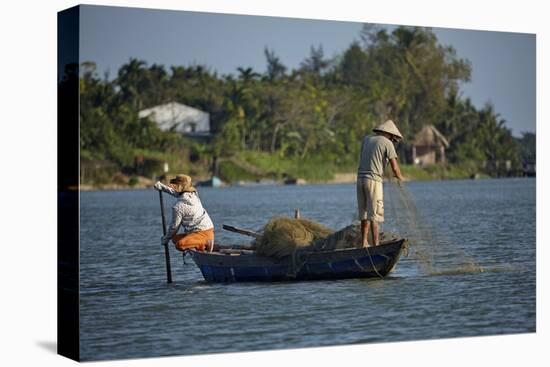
(237, 265)
(214, 181)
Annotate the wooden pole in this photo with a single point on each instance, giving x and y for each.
(246, 232)
(166, 250)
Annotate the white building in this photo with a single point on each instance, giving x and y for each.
(180, 118)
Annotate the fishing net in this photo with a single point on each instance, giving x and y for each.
(347, 237)
(284, 236)
(434, 253)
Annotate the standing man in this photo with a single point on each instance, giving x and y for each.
(376, 151)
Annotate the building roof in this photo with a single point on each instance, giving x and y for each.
(430, 136)
(177, 116)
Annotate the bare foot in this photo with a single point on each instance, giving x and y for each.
(209, 246)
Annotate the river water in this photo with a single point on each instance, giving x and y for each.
(470, 271)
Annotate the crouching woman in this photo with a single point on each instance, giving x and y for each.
(189, 214)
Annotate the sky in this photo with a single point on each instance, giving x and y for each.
(503, 63)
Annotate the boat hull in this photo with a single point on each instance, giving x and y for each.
(338, 264)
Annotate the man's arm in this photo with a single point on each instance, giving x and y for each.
(395, 169)
(174, 225)
(167, 189)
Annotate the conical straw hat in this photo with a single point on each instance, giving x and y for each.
(390, 128)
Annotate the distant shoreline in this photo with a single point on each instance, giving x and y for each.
(339, 178)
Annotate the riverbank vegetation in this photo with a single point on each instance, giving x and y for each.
(306, 122)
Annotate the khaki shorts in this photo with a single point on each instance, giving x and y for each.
(370, 200)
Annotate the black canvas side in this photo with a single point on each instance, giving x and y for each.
(68, 341)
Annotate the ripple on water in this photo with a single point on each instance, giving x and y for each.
(128, 311)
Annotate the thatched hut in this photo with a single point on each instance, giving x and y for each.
(428, 146)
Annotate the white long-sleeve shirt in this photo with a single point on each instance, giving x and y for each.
(187, 212)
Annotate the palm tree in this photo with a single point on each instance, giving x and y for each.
(130, 76)
(247, 75)
(275, 69)
(316, 63)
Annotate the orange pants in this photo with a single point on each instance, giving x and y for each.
(196, 240)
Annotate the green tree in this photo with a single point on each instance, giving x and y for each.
(132, 79)
(354, 66)
(528, 146)
(321, 110)
(315, 64)
(275, 69)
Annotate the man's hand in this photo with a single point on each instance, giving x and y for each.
(158, 186)
(396, 170)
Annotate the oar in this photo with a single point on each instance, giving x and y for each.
(245, 232)
(166, 250)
